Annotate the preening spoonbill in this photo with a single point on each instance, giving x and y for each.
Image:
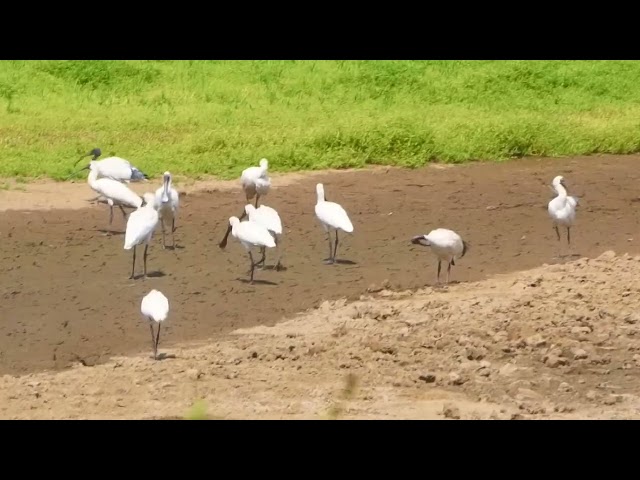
(446, 244)
(332, 217)
(268, 218)
(140, 227)
(114, 192)
(115, 168)
(255, 183)
(155, 307)
(562, 209)
(251, 234)
(167, 203)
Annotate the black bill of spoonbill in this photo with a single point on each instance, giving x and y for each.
(115, 193)
(167, 203)
(250, 235)
(140, 227)
(332, 217)
(562, 209)
(446, 244)
(115, 168)
(255, 183)
(155, 307)
(268, 218)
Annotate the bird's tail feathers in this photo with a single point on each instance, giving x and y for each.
(465, 248)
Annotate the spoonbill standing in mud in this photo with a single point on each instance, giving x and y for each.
(140, 227)
(332, 217)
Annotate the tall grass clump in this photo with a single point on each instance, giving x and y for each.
(217, 117)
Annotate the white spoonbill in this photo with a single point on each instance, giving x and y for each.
(167, 203)
(268, 218)
(114, 192)
(562, 209)
(155, 307)
(446, 244)
(115, 168)
(332, 217)
(255, 183)
(251, 234)
(140, 227)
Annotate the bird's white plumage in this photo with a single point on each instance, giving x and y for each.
(331, 214)
(256, 180)
(141, 223)
(115, 192)
(167, 200)
(118, 169)
(265, 216)
(155, 306)
(446, 244)
(251, 234)
(562, 209)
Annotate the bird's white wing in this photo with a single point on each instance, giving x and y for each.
(334, 215)
(268, 217)
(141, 223)
(155, 305)
(175, 198)
(444, 238)
(255, 234)
(118, 192)
(114, 167)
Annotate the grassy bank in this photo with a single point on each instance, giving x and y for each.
(217, 118)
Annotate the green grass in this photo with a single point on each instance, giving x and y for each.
(217, 117)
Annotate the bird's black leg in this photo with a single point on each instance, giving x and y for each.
(145, 259)
(569, 235)
(262, 260)
(335, 248)
(448, 271)
(173, 232)
(278, 265)
(110, 214)
(155, 350)
(133, 266)
(153, 342)
(252, 266)
(257, 198)
(557, 231)
(330, 259)
(438, 279)
(124, 214)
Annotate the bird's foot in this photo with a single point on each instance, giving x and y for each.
(329, 261)
(278, 267)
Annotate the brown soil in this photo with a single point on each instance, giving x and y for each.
(66, 301)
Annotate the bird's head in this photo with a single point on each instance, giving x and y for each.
(249, 209)
(320, 192)
(264, 163)
(420, 240)
(167, 183)
(148, 198)
(559, 180)
(95, 153)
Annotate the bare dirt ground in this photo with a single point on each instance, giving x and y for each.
(558, 341)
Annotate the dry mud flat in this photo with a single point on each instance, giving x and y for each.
(559, 341)
(500, 348)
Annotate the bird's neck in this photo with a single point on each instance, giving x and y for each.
(93, 176)
(561, 191)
